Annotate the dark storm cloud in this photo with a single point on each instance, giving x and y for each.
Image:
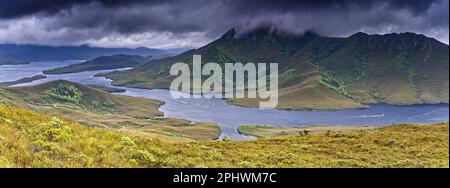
(14, 8)
(416, 6)
(101, 22)
(17, 8)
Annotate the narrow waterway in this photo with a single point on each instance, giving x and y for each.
(230, 117)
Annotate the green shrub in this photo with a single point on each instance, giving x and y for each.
(64, 93)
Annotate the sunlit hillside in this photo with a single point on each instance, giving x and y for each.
(93, 107)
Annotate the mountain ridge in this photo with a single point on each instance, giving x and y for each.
(29, 52)
(102, 63)
(319, 72)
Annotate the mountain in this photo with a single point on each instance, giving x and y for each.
(317, 72)
(29, 53)
(96, 108)
(102, 63)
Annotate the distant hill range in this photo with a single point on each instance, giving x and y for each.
(6, 60)
(15, 54)
(318, 72)
(102, 63)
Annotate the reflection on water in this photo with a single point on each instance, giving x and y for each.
(230, 117)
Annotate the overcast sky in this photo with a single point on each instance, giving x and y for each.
(193, 23)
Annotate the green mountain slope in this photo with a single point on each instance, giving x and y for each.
(323, 72)
(102, 63)
(97, 108)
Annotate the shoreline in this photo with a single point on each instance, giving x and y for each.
(368, 105)
(283, 110)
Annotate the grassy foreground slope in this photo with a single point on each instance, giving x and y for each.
(29, 139)
(96, 108)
